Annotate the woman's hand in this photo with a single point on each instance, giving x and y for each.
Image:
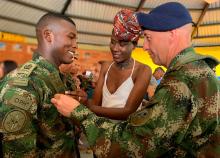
(79, 95)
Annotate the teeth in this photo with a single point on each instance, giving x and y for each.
(71, 53)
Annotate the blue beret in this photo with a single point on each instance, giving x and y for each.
(165, 17)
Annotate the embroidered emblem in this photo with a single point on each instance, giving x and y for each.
(141, 117)
(14, 121)
(22, 101)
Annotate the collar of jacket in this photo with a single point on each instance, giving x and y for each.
(37, 58)
(54, 76)
(189, 55)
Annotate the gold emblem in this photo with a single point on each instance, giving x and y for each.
(14, 121)
(141, 117)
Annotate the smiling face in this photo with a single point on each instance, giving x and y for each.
(121, 50)
(157, 45)
(63, 43)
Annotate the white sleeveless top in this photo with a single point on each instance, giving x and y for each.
(119, 98)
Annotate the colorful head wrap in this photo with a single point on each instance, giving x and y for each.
(126, 26)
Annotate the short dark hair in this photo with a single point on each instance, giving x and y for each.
(9, 65)
(50, 16)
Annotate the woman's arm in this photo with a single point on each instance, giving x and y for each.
(141, 81)
(97, 96)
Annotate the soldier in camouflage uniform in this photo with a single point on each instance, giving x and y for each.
(31, 126)
(182, 118)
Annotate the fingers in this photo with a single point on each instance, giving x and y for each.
(57, 96)
(57, 104)
(65, 104)
(75, 93)
(70, 93)
(54, 101)
(78, 95)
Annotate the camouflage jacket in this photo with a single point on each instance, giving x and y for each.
(181, 120)
(31, 126)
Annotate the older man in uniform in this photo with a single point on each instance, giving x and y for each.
(30, 125)
(182, 118)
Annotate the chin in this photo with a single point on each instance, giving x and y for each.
(67, 61)
(118, 60)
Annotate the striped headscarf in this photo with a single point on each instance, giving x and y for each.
(126, 26)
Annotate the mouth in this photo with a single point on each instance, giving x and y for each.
(116, 55)
(70, 52)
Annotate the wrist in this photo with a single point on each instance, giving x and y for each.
(80, 113)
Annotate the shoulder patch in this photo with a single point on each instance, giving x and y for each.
(22, 101)
(20, 81)
(21, 78)
(14, 121)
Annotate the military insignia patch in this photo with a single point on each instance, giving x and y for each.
(26, 69)
(21, 78)
(22, 101)
(14, 121)
(20, 81)
(141, 117)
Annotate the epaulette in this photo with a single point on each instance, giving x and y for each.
(21, 77)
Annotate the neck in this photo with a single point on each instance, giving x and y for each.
(47, 56)
(125, 64)
(175, 49)
(181, 41)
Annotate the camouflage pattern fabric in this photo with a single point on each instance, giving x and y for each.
(31, 126)
(181, 120)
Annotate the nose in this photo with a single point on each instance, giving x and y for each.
(74, 44)
(146, 45)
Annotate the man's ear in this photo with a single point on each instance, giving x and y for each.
(47, 34)
(173, 34)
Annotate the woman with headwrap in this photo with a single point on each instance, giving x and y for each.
(122, 83)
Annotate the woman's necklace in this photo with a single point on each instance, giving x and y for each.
(124, 65)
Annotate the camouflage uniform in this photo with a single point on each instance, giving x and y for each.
(31, 126)
(181, 120)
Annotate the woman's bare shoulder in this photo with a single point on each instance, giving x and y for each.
(105, 65)
(142, 67)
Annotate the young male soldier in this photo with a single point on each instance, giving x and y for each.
(182, 118)
(30, 125)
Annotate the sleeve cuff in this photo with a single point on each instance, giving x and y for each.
(80, 113)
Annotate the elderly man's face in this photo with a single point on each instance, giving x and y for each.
(64, 43)
(157, 45)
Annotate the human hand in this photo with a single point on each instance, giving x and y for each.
(65, 104)
(79, 95)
